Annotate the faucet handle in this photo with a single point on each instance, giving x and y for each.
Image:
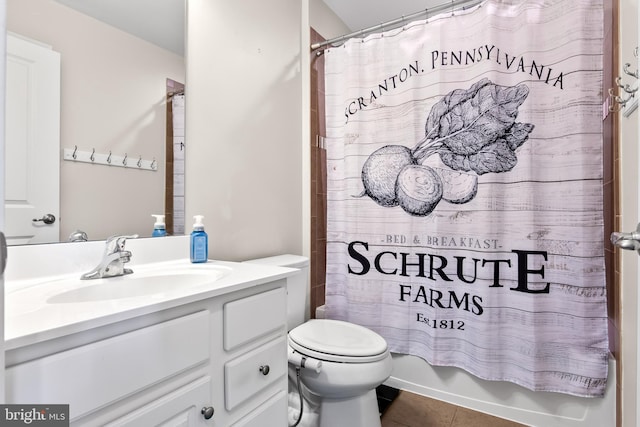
(117, 242)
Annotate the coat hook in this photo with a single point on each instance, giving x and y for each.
(619, 101)
(109, 157)
(124, 161)
(153, 163)
(74, 155)
(632, 74)
(93, 155)
(626, 87)
(139, 162)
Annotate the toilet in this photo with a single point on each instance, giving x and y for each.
(339, 364)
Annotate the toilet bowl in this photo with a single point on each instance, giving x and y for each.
(338, 364)
(354, 361)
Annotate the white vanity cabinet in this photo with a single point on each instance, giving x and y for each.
(224, 357)
(256, 368)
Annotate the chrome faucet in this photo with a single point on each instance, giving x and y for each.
(113, 259)
(78, 236)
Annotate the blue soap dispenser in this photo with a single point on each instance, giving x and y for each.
(159, 228)
(199, 241)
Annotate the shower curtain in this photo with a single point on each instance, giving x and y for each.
(464, 191)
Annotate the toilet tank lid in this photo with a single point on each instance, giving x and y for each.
(285, 260)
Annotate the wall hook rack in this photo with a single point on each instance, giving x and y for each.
(626, 101)
(108, 159)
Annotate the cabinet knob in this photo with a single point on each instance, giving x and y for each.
(207, 412)
(265, 369)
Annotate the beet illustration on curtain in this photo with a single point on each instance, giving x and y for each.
(471, 130)
(464, 173)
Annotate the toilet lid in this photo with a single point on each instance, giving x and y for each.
(338, 341)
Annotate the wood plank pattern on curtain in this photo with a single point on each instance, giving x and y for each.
(465, 218)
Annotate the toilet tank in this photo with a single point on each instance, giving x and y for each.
(298, 301)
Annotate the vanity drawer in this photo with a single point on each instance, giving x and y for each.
(249, 318)
(245, 376)
(271, 413)
(182, 407)
(113, 368)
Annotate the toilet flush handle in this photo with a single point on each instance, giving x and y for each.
(296, 359)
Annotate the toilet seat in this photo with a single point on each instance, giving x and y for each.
(338, 341)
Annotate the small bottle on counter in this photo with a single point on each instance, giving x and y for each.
(199, 241)
(159, 228)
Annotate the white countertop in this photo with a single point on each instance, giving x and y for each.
(36, 310)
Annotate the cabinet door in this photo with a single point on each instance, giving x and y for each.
(122, 365)
(180, 408)
(248, 375)
(272, 413)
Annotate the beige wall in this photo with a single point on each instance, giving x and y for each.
(628, 220)
(112, 99)
(244, 113)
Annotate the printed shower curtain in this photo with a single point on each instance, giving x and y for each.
(465, 220)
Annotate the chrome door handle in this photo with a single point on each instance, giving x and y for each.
(629, 241)
(47, 219)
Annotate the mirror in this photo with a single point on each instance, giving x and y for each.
(116, 57)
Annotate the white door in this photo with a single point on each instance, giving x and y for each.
(32, 142)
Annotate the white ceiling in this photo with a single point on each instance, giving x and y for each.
(158, 21)
(162, 21)
(361, 14)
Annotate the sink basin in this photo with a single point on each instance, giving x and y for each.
(134, 285)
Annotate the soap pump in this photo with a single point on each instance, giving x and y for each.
(199, 241)
(159, 228)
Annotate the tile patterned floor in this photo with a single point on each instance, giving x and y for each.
(412, 410)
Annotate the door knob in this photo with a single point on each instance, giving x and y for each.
(47, 219)
(629, 241)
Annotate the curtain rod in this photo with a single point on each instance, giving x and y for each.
(453, 5)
